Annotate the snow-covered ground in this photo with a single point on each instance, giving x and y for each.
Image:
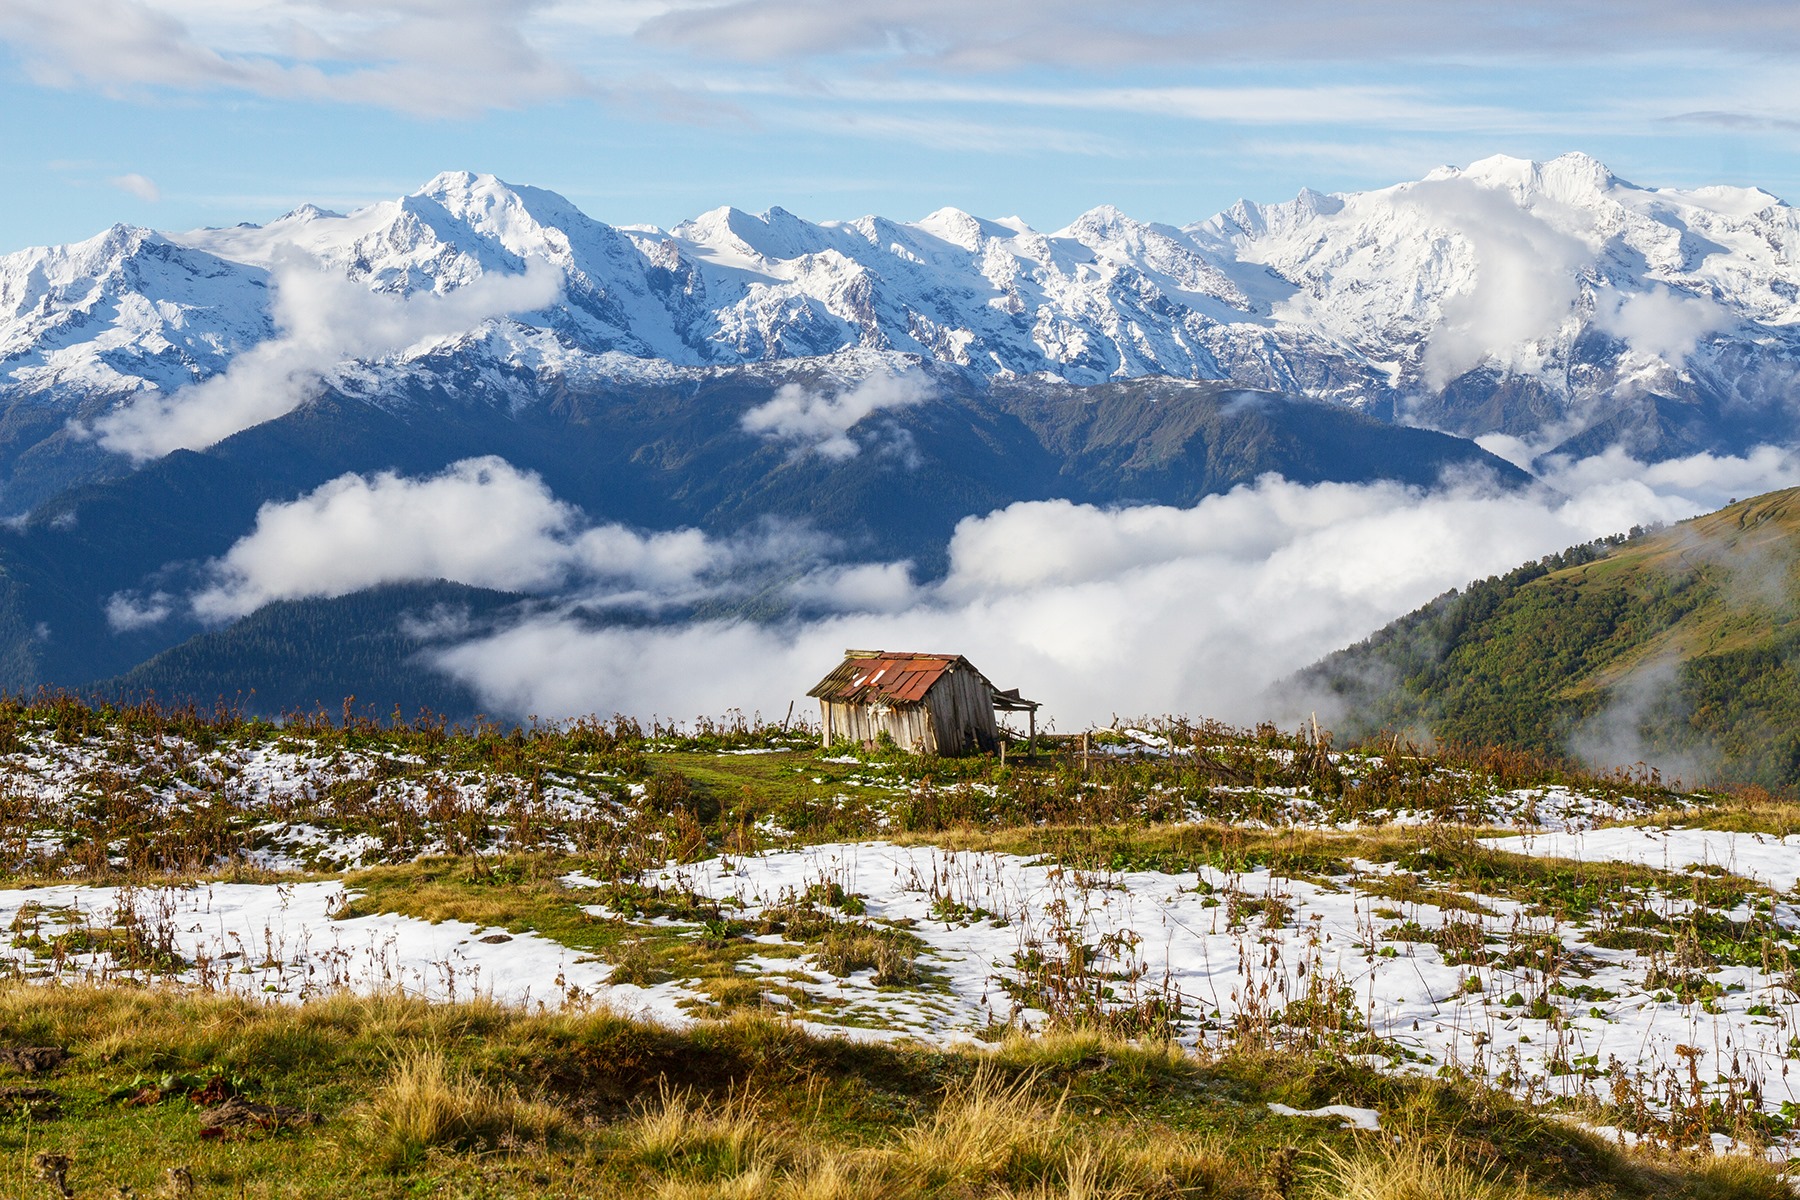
(1235, 950)
(1381, 962)
(283, 941)
(1182, 940)
(322, 809)
(1774, 861)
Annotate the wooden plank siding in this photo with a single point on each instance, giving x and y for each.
(927, 703)
(961, 704)
(910, 725)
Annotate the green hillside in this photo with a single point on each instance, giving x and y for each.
(1678, 647)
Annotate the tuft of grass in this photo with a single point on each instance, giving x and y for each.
(690, 1141)
(995, 1134)
(636, 963)
(1732, 1175)
(847, 949)
(1409, 1170)
(990, 1129)
(427, 1103)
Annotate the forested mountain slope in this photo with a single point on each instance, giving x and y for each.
(654, 456)
(1678, 647)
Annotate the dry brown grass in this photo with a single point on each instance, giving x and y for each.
(691, 1141)
(1748, 809)
(427, 1103)
(1735, 1175)
(1409, 1170)
(997, 1134)
(988, 1129)
(994, 1136)
(446, 1094)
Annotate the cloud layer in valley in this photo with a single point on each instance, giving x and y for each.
(322, 321)
(1095, 611)
(480, 522)
(813, 422)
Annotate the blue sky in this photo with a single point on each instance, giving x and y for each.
(176, 113)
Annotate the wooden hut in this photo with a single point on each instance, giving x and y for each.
(928, 703)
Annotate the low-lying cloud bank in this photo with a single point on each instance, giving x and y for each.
(1128, 611)
(1094, 611)
(481, 522)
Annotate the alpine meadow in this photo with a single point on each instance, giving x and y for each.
(1106, 690)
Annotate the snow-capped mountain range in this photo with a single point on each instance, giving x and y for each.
(1550, 301)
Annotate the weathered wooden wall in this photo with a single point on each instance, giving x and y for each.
(956, 717)
(909, 725)
(962, 713)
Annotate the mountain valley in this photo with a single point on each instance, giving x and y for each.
(805, 397)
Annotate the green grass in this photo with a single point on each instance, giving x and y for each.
(480, 1101)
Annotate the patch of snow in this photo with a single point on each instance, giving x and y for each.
(283, 941)
(1354, 1118)
(1774, 861)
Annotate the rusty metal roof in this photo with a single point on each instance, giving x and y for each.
(886, 676)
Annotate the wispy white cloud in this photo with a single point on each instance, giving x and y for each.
(141, 186)
(323, 320)
(951, 132)
(1524, 281)
(1388, 106)
(459, 57)
(1736, 121)
(481, 522)
(1661, 323)
(439, 59)
(127, 612)
(1020, 33)
(813, 422)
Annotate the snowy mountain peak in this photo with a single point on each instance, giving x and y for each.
(725, 229)
(452, 188)
(1573, 179)
(1318, 203)
(1731, 201)
(308, 212)
(490, 205)
(731, 234)
(1102, 217)
(970, 232)
(1581, 292)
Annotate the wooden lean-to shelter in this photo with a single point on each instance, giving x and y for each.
(927, 703)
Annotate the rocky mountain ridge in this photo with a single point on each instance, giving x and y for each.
(1550, 302)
